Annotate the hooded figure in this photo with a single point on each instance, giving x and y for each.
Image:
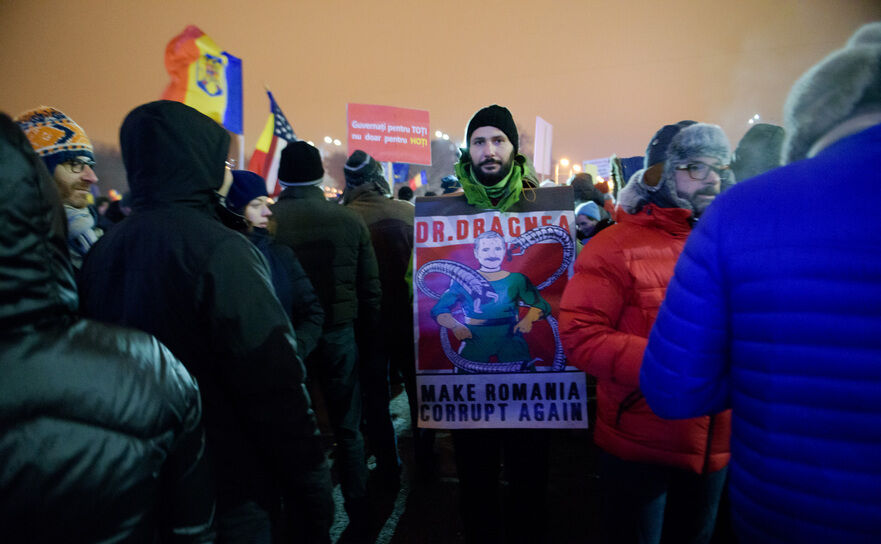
(101, 437)
(174, 270)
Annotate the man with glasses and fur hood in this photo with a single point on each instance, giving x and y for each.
(656, 475)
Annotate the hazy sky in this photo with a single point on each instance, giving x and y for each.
(605, 74)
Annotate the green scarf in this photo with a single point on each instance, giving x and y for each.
(506, 193)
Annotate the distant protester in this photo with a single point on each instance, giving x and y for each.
(451, 185)
(582, 184)
(758, 151)
(589, 220)
(405, 193)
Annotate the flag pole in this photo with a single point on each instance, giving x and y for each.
(241, 141)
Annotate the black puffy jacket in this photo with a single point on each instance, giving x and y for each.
(174, 270)
(100, 435)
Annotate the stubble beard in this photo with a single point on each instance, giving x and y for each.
(489, 179)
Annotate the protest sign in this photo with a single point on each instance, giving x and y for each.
(487, 289)
(389, 134)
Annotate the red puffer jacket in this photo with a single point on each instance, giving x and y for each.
(606, 314)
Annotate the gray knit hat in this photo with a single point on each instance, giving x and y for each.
(361, 168)
(845, 84)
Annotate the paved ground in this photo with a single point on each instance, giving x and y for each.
(424, 511)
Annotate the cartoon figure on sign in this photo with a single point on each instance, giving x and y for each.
(488, 302)
(209, 76)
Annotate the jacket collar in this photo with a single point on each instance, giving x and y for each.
(845, 129)
(309, 192)
(675, 221)
(367, 192)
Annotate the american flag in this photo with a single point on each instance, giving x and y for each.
(275, 136)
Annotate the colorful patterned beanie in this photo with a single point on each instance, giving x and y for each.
(54, 136)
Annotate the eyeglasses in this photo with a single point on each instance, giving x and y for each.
(231, 163)
(698, 171)
(77, 165)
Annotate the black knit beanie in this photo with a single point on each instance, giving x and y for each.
(300, 165)
(494, 116)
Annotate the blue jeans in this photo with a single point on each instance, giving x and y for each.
(653, 504)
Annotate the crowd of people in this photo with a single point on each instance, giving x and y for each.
(157, 370)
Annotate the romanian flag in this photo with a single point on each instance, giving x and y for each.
(417, 180)
(275, 136)
(204, 77)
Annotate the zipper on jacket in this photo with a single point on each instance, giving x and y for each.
(627, 403)
(709, 444)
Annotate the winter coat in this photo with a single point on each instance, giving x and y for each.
(777, 315)
(293, 289)
(390, 223)
(174, 270)
(100, 433)
(333, 245)
(606, 313)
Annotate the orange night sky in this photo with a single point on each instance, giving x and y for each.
(605, 74)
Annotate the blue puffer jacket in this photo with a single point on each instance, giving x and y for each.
(775, 311)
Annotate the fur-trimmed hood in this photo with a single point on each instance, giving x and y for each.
(693, 141)
(843, 86)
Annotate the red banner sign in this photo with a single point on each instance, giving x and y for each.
(389, 134)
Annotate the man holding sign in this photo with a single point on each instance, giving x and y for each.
(493, 175)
